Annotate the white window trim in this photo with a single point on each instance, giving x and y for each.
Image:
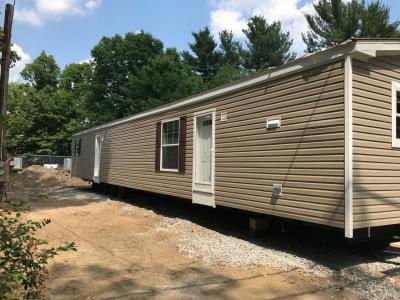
(169, 145)
(395, 89)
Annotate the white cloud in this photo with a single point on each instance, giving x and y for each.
(226, 19)
(20, 65)
(233, 15)
(28, 16)
(52, 7)
(86, 61)
(37, 12)
(92, 4)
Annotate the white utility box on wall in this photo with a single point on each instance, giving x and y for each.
(273, 122)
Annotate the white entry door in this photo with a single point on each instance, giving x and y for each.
(203, 160)
(97, 154)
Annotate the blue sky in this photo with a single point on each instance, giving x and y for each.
(68, 29)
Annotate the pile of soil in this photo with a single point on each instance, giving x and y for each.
(39, 176)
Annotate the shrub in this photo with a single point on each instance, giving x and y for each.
(23, 258)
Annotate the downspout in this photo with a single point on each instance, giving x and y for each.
(348, 141)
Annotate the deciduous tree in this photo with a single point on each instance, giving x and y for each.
(164, 79)
(44, 114)
(42, 121)
(115, 61)
(42, 72)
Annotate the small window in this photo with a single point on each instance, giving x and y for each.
(78, 146)
(207, 122)
(396, 114)
(170, 145)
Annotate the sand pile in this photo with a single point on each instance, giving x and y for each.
(39, 176)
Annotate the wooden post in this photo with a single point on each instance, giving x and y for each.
(5, 68)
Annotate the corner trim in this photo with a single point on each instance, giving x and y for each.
(348, 141)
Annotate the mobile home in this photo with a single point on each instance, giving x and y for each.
(315, 140)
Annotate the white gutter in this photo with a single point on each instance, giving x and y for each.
(348, 159)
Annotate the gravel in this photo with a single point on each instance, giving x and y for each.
(80, 195)
(134, 210)
(214, 247)
(368, 279)
(370, 286)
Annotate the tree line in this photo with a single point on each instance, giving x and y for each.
(132, 73)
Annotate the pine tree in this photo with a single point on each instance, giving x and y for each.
(226, 74)
(230, 49)
(375, 22)
(268, 45)
(205, 59)
(337, 21)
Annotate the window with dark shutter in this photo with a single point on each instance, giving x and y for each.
(170, 145)
(78, 146)
(396, 114)
(182, 145)
(158, 147)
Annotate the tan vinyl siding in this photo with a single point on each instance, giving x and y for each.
(82, 165)
(376, 195)
(306, 154)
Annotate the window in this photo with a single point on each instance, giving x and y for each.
(170, 145)
(170, 150)
(78, 146)
(396, 114)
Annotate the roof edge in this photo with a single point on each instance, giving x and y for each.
(303, 63)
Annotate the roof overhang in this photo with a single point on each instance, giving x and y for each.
(363, 49)
(369, 48)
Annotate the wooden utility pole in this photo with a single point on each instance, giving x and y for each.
(5, 68)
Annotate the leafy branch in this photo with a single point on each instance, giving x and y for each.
(23, 258)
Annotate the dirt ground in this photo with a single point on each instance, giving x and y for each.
(122, 254)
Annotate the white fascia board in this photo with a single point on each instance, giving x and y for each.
(298, 65)
(374, 49)
(377, 46)
(348, 163)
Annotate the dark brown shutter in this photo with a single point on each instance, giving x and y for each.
(80, 146)
(182, 145)
(158, 147)
(73, 145)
